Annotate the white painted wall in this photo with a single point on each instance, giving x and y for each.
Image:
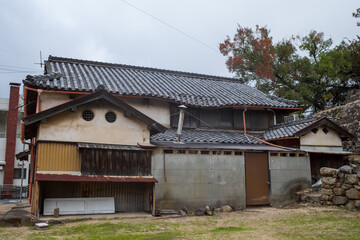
(319, 138)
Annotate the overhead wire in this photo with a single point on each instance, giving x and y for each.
(170, 26)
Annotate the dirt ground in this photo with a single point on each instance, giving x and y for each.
(296, 222)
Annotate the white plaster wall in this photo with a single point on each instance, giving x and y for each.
(71, 127)
(49, 100)
(155, 109)
(320, 138)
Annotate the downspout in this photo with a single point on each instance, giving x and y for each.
(248, 135)
(274, 115)
(180, 123)
(38, 100)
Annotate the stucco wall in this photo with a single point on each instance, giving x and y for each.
(71, 127)
(331, 138)
(155, 109)
(195, 180)
(288, 175)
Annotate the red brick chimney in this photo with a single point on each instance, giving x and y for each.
(11, 133)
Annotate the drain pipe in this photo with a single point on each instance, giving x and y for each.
(180, 123)
(248, 135)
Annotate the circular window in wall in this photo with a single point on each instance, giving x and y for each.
(110, 117)
(88, 115)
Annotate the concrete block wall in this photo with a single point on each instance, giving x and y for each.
(289, 173)
(195, 180)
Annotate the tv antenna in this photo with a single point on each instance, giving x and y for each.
(41, 61)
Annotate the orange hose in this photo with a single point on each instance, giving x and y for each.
(274, 145)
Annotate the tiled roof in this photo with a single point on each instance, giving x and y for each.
(206, 136)
(287, 129)
(186, 88)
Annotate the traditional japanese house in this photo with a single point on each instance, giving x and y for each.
(148, 138)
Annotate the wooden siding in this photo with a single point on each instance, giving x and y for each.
(115, 162)
(129, 197)
(58, 157)
(35, 199)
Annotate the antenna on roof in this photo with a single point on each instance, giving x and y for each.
(41, 61)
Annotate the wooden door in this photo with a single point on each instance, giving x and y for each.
(256, 171)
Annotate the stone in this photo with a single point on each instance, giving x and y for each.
(226, 208)
(326, 197)
(182, 213)
(350, 205)
(338, 185)
(345, 169)
(339, 200)
(339, 191)
(217, 210)
(329, 203)
(199, 212)
(186, 210)
(357, 203)
(346, 186)
(327, 186)
(326, 191)
(358, 174)
(356, 170)
(353, 194)
(357, 187)
(208, 211)
(328, 180)
(41, 225)
(328, 172)
(351, 179)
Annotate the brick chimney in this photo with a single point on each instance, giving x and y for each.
(11, 133)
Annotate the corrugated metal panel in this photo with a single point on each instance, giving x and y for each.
(129, 197)
(58, 157)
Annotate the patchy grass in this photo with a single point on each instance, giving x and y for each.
(258, 223)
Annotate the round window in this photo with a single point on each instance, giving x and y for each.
(110, 117)
(88, 115)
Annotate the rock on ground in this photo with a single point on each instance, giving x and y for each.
(226, 208)
(199, 212)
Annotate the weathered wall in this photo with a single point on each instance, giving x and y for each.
(71, 127)
(331, 138)
(155, 109)
(347, 116)
(288, 175)
(195, 180)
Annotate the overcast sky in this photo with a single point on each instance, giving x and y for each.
(113, 31)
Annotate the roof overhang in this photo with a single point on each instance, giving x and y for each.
(108, 146)
(224, 146)
(338, 150)
(89, 178)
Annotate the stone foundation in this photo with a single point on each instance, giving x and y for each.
(341, 186)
